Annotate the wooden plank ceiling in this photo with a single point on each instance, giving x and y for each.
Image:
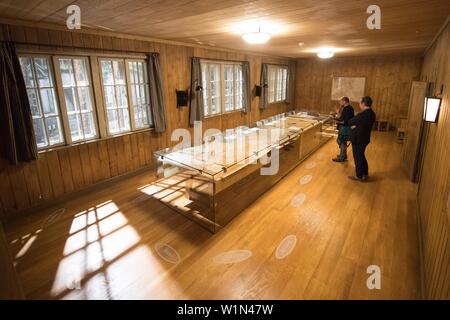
(407, 26)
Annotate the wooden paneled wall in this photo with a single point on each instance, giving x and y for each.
(388, 82)
(70, 169)
(434, 183)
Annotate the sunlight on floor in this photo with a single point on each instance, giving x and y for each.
(101, 244)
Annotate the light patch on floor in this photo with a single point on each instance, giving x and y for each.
(286, 246)
(298, 200)
(306, 179)
(233, 256)
(311, 165)
(320, 156)
(167, 253)
(26, 247)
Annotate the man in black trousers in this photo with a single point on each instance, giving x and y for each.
(362, 125)
(342, 123)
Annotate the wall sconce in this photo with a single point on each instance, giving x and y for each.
(182, 98)
(431, 109)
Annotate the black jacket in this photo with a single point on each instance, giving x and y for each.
(347, 113)
(363, 123)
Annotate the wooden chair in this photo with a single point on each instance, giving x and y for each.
(383, 125)
(401, 130)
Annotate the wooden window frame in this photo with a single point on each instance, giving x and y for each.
(95, 88)
(277, 84)
(130, 98)
(52, 73)
(222, 65)
(62, 99)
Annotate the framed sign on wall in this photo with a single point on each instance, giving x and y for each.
(352, 87)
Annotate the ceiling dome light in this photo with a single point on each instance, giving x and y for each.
(325, 54)
(256, 37)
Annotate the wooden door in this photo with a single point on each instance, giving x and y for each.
(411, 146)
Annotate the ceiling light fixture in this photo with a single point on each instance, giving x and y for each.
(325, 54)
(256, 37)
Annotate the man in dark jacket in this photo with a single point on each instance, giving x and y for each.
(346, 114)
(360, 137)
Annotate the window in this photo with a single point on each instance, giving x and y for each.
(41, 95)
(115, 95)
(277, 81)
(61, 91)
(121, 76)
(211, 88)
(139, 93)
(78, 98)
(222, 87)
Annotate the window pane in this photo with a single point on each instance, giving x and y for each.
(110, 97)
(124, 119)
(272, 83)
(85, 99)
(88, 125)
(66, 72)
(122, 96)
(54, 130)
(134, 93)
(144, 94)
(113, 122)
(48, 102)
(34, 102)
(141, 71)
(75, 127)
(140, 114)
(119, 76)
(81, 74)
(229, 87)
(107, 73)
(39, 131)
(139, 93)
(27, 71)
(214, 74)
(71, 102)
(205, 85)
(42, 99)
(42, 72)
(78, 98)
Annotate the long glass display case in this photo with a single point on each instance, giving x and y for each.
(213, 182)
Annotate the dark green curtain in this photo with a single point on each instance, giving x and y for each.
(264, 83)
(157, 102)
(246, 88)
(196, 105)
(16, 122)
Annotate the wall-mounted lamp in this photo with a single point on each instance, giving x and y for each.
(431, 109)
(182, 98)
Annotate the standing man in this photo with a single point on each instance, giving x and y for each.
(343, 128)
(360, 137)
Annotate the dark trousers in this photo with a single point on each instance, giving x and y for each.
(361, 165)
(342, 149)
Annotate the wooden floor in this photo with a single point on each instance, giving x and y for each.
(123, 244)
